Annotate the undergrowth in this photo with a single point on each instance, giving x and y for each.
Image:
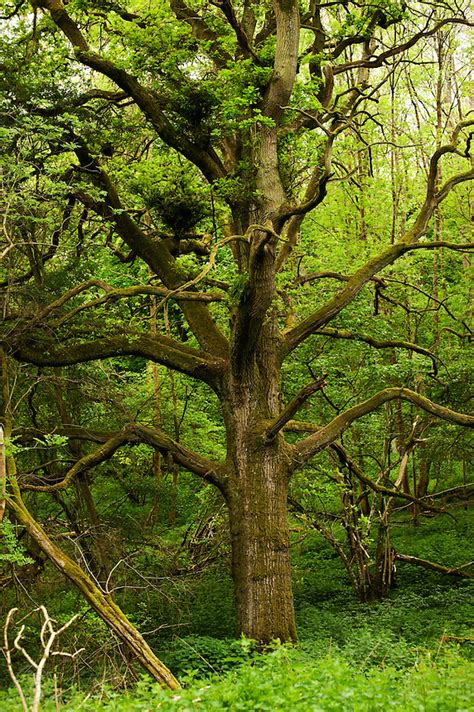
(291, 679)
(413, 651)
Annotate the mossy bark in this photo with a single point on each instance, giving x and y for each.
(101, 602)
(257, 498)
(260, 553)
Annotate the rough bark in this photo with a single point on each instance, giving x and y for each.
(256, 494)
(255, 478)
(261, 566)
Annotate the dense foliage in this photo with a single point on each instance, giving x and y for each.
(235, 353)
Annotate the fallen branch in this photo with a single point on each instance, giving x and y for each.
(448, 570)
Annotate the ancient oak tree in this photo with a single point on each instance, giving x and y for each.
(235, 112)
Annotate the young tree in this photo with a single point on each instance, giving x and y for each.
(245, 104)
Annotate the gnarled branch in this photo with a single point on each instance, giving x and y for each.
(207, 161)
(134, 433)
(156, 348)
(209, 470)
(293, 406)
(101, 454)
(327, 434)
(377, 344)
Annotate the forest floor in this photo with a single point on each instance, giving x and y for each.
(413, 651)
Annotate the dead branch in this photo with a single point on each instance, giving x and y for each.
(48, 637)
(448, 570)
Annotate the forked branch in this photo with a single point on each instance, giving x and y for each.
(209, 470)
(101, 454)
(293, 406)
(48, 637)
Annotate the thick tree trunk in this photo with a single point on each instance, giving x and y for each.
(257, 501)
(260, 552)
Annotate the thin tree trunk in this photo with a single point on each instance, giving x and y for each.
(98, 554)
(156, 457)
(3, 473)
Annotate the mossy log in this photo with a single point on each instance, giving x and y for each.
(100, 601)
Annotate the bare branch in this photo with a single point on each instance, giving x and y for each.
(399, 49)
(385, 344)
(431, 565)
(8, 657)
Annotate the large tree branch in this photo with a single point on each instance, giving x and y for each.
(155, 253)
(327, 434)
(209, 470)
(328, 274)
(113, 294)
(256, 298)
(280, 86)
(112, 97)
(342, 298)
(101, 454)
(408, 242)
(201, 31)
(461, 247)
(156, 348)
(399, 49)
(206, 160)
(229, 12)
